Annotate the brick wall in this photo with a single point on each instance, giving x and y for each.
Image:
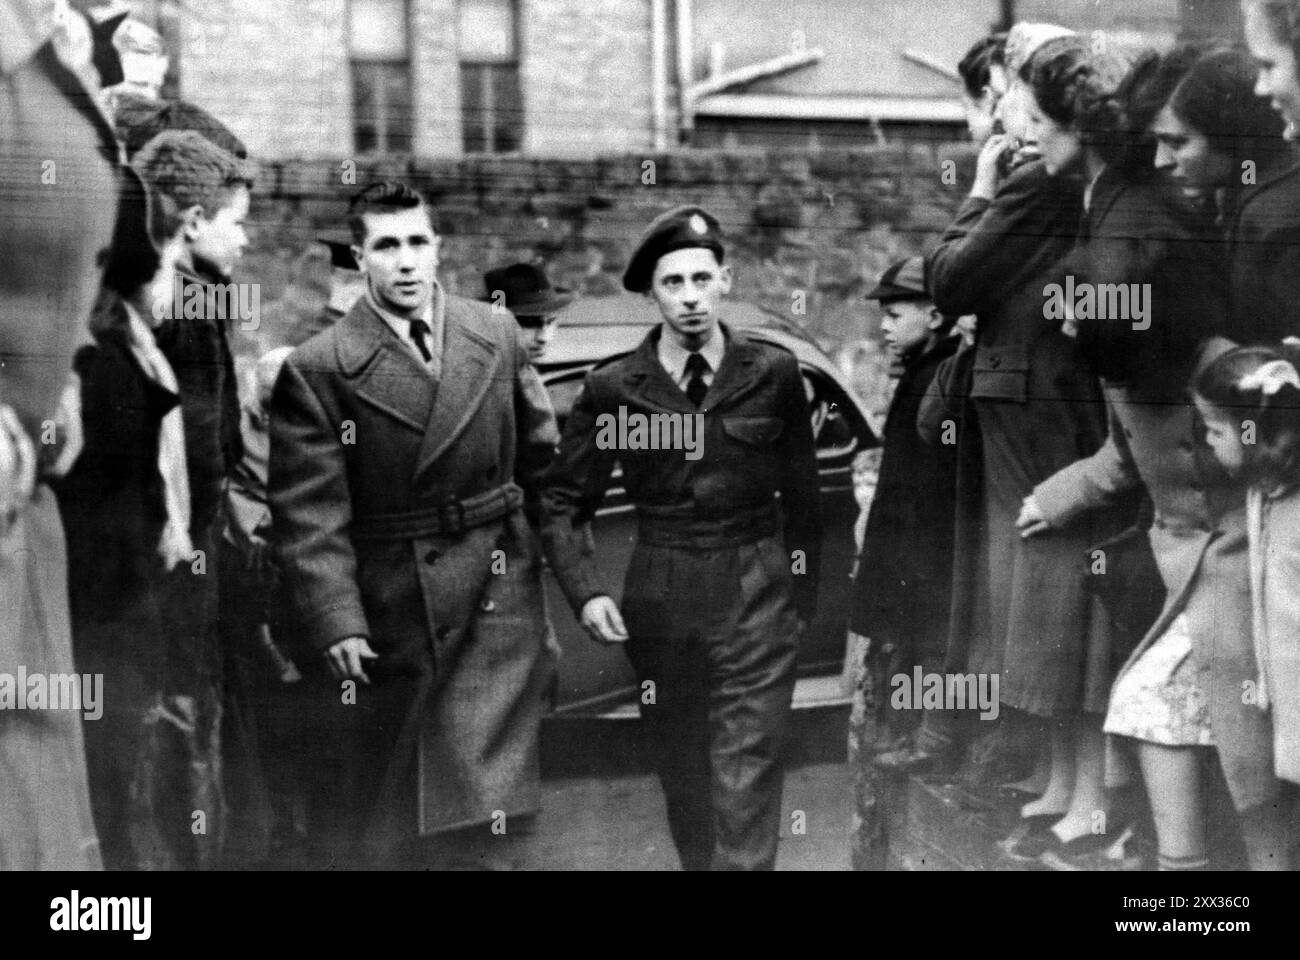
(825, 225)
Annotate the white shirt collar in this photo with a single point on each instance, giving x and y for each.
(673, 356)
(433, 316)
(402, 324)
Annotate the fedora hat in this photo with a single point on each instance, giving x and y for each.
(527, 290)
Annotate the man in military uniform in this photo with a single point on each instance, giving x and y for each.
(723, 572)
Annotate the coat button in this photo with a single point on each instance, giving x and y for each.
(432, 556)
(995, 361)
(488, 606)
(441, 632)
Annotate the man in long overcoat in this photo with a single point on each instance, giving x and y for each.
(397, 438)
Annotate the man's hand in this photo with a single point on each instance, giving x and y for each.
(17, 466)
(1031, 521)
(602, 621)
(345, 658)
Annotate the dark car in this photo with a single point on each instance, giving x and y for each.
(596, 679)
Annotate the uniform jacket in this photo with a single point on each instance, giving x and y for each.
(903, 588)
(198, 348)
(1262, 226)
(1199, 541)
(757, 444)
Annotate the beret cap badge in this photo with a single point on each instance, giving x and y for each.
(698, 225)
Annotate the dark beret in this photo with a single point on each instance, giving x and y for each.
(678, 229)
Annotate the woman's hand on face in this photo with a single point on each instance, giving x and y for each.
(987, 173)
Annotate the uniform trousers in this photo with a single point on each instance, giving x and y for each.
(713, 641)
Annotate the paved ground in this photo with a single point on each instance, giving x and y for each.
(591, 823)
(603, 810)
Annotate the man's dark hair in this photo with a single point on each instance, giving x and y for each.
(384, 196)
(976, 68)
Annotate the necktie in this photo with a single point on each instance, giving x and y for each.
(420, 330)
(696, 388)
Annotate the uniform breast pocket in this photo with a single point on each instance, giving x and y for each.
(755, 431)
(1001, 373)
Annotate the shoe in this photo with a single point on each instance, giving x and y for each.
(1091, 852)
(1027, 842)
(914, 759)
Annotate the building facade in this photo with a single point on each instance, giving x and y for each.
(340, 78)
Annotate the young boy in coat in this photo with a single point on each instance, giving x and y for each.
(208, 188)
(902, 590)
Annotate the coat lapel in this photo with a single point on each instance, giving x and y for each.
(389, 378)
(647, 379)
(469, 366)
(737, 372)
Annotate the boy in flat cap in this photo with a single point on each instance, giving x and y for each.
(526, 291)
(723, 576)
(903, 584)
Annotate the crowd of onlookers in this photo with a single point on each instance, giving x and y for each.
(1090, 497)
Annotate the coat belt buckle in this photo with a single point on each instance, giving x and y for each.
(451, 516)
